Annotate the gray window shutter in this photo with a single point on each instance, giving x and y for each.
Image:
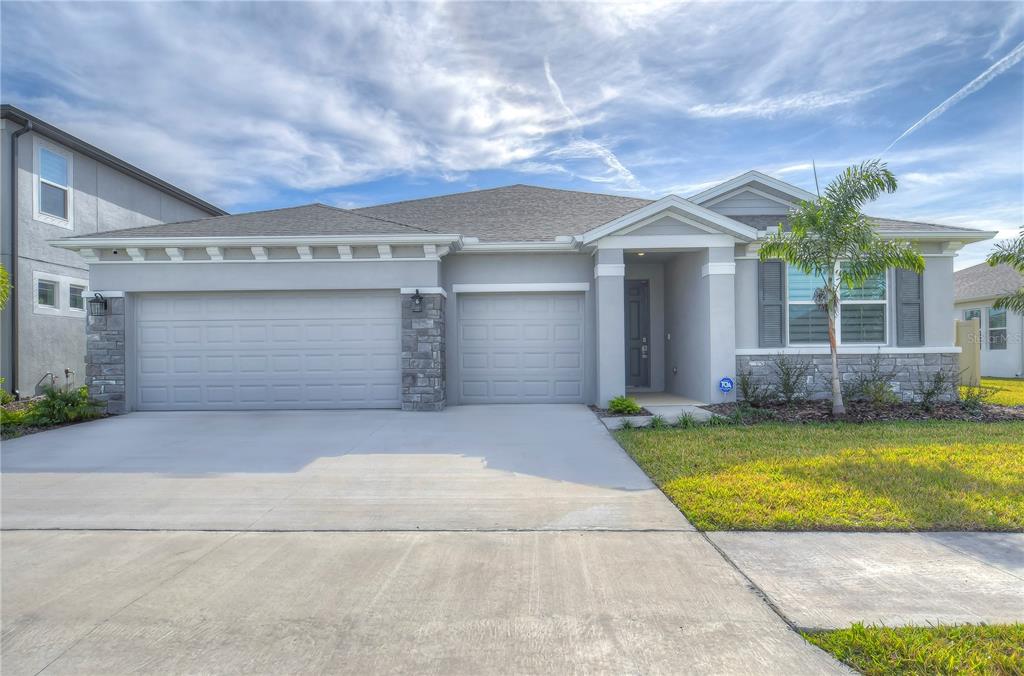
(909, 309)
(771, 304)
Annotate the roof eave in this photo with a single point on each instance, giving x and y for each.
(78, 243)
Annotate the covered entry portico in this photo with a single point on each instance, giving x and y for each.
(665, 292)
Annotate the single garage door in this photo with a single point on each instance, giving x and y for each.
(521, 348)
(256, 350)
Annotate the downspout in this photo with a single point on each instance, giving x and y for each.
(14, 256)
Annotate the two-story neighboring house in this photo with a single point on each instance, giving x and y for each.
(53, 186)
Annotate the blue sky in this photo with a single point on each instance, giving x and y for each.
(262, 105)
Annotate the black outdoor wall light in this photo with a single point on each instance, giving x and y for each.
(97, 305)
(417, 301)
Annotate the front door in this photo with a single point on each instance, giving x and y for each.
(638, 333)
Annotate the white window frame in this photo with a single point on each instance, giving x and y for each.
(1005, 329)
(85, 289)
(38, 214)
(63, 294)
(839, 315)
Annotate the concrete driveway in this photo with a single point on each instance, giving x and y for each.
(288, 543)
(467, 468)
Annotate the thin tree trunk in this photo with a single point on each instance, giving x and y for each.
(838, 409)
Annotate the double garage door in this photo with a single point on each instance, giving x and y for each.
(338, 350)
(311, 349)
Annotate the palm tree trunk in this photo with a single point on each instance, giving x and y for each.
(838, 408)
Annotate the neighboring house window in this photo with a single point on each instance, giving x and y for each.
(862, 311)
(46, 293)
(974, 313)
(996, 329)
(75, 299)
(53, 194)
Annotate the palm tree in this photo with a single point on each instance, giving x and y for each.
(832, 230)
(1012, 254)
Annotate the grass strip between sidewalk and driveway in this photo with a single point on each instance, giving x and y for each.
(894, 476)
(965, 649)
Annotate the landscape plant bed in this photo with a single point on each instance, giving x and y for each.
(862, 412)
(13, 431)
(605, 413)
(930, 475)
(964, 649)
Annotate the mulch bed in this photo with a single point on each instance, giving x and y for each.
(861, 412)
(605, 413)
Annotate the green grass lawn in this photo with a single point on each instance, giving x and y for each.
(1006, 391)
(893, 476)
(967, 649)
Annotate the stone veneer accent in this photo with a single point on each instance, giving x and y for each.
(910, 371)
(423, 354)
(105, 356)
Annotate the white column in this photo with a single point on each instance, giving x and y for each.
(609, 280)
(719, 271)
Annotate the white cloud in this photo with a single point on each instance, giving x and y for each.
(771, 107)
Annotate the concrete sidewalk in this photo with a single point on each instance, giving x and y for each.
(369, 603)
(831, 580)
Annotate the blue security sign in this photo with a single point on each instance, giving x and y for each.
(725, 384)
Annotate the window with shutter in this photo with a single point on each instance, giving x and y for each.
(909, 309)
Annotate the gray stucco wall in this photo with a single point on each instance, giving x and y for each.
(103, 199)
(685, 325)
(264, 276)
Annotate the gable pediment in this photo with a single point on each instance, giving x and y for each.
(673, 216)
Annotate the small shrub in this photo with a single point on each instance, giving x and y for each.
(623, 405)
(686, 421)
(62, 406)
(627, 424)
(5, 396)
(873, 386)
(974, 397)
(658, 423)
(792, 379)
(937, 387)
(750, 391)
(12, 416)
(721, 421)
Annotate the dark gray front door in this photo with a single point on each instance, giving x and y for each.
(638, 333)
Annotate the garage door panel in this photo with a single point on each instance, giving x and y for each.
(521, 347)
(267, 350)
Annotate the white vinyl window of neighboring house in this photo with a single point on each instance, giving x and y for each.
(862, 317)
(76, 301)
(975, 313)
(53, 194)
(46, 293)
(996, 329)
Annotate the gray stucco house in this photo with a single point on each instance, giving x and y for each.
(1001, 331)
(515, 294)
(54, 185)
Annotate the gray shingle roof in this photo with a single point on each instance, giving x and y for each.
(311, 219)
(984, 281)
(515, 213)
(887, 224)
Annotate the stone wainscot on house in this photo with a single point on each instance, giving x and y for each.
(509, 295)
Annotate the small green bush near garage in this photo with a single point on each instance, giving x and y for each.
(891, 476)
(995, 650)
